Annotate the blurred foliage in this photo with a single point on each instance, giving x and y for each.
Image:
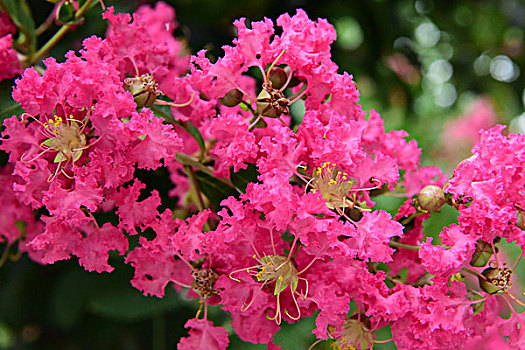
(418, 63)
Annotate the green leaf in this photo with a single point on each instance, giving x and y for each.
(8, 106)
(213, 189)
(243, 177)
(193, 131)
(22, 17)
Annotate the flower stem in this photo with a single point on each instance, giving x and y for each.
(195, 185)
(5, 254)
(410, 218)
(185, 159)
(57, 37)
(472, 272)
(395, 244)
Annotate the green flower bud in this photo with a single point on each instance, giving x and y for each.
(65, 12)
(431, 198)
(232, 98)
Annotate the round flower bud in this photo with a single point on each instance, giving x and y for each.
(232, 98)
(482, 254)
(431, 198)
(278, 77)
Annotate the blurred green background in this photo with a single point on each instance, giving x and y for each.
(418, 63)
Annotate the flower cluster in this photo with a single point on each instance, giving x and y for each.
(8, 56)
(276, 216)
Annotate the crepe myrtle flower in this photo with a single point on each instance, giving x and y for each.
(281, 272)
(65, 138)
(336, 187)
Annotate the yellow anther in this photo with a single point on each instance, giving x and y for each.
(332, 182)
(248, 270)
(329, 170)
(338, 173)
(334, 165)
(319, 171)
(46, 125)
(281, 278)
(344, 177)
(254, 256)
(345, 174)
(269, 263)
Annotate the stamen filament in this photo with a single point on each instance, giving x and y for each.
(383, 341)
(314, 344)
(272, 65)
(514, 298)
(296, 306)
(247, 306)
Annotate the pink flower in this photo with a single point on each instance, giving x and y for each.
(235, 144)
(491, 184)
(17, 221)
(8, 58)
(203, 335)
